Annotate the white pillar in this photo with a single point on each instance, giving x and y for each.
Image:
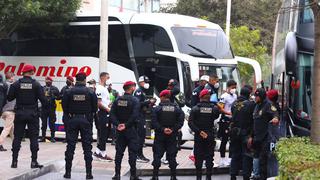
(228, 19)
(103, 53)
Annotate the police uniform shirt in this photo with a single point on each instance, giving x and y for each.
(103, 94)
(228, 99)
(262, 116)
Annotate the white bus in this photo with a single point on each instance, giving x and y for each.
(160, 46)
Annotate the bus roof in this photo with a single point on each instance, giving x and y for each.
(158, 19)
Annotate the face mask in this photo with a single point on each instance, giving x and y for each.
(68, 83)
(108, 82)
(233, 91)
(216, 85)
(146, 86)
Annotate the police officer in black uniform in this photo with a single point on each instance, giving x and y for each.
(167, 119)
(241, 131)
(124, 115)
(49, 112)
(140, 93)
(201, 121)
(79, 104)
(196, 92)
(27, 91)
(264, 114)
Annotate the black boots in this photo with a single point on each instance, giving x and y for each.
(133, 175)
(35, 164)
(89, 173)
(67, 175)
(14, 164)
(117, 173)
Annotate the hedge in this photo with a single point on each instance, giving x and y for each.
(298, 159)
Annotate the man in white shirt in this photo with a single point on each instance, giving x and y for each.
(227, 99)
(103, 125)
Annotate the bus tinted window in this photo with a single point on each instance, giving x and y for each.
(147, 39)
(202, 41)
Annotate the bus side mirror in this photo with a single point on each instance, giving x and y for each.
(291, 51)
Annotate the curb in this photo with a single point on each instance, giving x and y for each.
(34, 173)
(180, 172)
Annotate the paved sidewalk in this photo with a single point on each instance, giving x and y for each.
(53, 154)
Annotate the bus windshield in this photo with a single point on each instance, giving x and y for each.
(202, 42)
(224, 73)
(303, 100)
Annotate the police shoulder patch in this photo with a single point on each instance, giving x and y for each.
(168, 108)
(79, 97)
(274, 109)
(26, 86)
(122, 103)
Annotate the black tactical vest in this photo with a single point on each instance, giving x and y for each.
(167, 115)
(26, 94)
(124, 108)
(204, 116)
(80, 100)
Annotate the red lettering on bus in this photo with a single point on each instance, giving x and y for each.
(74, 71)
(19, 73)
(86, 69)
(10, 68)
(2, 65)
(45, 70)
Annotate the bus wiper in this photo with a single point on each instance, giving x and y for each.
(204, 54)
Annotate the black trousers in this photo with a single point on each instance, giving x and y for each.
(240, 158)
(223, 134)
(48, 115)
(204, 150)
(79, 124)
(31, 119)
(141, 127)
(261, 150)
(128, 138)
(165, 144)
(104, 126)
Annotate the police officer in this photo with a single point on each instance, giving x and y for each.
(241, 130)
(264, 114)
(79, 103)
(69, 85)
(173, 86)
(167, 119)
(140, 93)
(196, 92)
(201, 121)
(27, 91)
(124, 115)
(49, 112)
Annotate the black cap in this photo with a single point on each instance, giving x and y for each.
(260, 92)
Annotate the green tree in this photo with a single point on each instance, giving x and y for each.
(246, 43)
(257, 14)
(14, 13)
